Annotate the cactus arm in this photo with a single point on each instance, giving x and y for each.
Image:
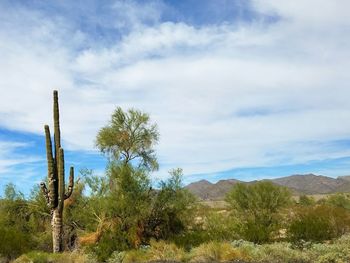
(61, 179)
(71, 183)
(56, 122)
(45, 192)
(52, 177)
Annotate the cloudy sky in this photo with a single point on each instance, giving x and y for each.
(239, 89)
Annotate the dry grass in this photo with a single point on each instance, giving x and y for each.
(217, 252)
(42, 257)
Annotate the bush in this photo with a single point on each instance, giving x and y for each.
(220, 226)
(157, 251)
(191, 238)
(165, 251)
(318, 224)
(43, 257)
(111, 240)
(258, 206)
(305, 200)
(216, 252)
(13, 242)
(339, 200)
(282, 253)
(338, 252)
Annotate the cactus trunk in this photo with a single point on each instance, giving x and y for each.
(57, 231)
(55, 194)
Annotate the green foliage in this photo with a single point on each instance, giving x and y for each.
(172, 208)
(135, 213)
(339, 200)
(15, 230)
(220, 226)
(161, 250)
(114, 239)
(44, 257)
(338, 252)
(305, 200)
(130, 137)
(216, 252)
(281, 253)
(318, 223)
(257, 207)
(13, 242)
(11, 193)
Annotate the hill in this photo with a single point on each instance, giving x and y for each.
(209, 191)
(298, 184)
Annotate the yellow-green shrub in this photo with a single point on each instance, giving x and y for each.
(318, 223)
(156, 251)
(43, 257)
(216, 252)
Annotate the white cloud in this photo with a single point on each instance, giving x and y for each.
(224, 96)
(9, 159)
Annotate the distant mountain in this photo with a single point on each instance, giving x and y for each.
(298, 184)
(346, 177)
(208, 191)
(310, 183)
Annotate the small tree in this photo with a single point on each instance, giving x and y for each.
(129, 138)
(305, 200)
(318, 223)
(128, 141)
(258, 205)
(171, 209)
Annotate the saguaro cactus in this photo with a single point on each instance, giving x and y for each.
(55, 193)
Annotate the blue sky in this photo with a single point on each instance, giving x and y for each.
(239, 89)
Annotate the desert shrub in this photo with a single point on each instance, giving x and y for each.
(162, 250)
(268, 253)
(305, 200)
(254, 251)
(258, 206)
(156, 251)
(112, 240)
(116, 257)
(135, 255)
(318, 223)
(172, 209)
(44, 257)
(220, 226)
(216, 252)
(282, 253)
(338, 252)
(339, 200)
(213, 226)
(191, 238)
(13, 242)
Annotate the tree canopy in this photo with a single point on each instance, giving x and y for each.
(130, 138)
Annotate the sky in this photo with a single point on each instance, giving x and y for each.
(244, 89)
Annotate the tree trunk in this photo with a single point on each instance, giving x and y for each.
(57, 233)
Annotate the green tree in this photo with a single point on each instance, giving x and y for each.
(128, 141)
(258, 205)
(129, 138)
(172, 208)
(15, 231)
(135, 212)
(305, 200)
(318, 223)
(339, 200)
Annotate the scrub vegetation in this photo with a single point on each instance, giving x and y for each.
(123, 216)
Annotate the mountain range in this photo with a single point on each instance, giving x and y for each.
(299, 184)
